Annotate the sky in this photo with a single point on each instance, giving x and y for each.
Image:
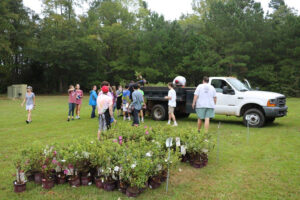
(171, 9)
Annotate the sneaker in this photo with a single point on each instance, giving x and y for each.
(72, 118)
(27, 122)
(129, 119)
(68, 119)
(124, 118)
(175, 124)
(78, 117)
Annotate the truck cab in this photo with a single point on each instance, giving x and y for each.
(238, 99)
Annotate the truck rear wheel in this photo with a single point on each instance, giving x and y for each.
(159, 112)
(255, 118)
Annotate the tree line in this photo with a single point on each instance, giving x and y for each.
(116, 39)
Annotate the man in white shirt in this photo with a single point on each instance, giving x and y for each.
(179, 81)
(204, 101)
(172, 103)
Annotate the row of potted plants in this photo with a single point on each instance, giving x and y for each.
(130, 159)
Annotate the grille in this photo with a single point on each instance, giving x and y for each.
(281, 101)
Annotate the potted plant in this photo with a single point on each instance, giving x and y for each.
(49, 164)
(33, 159)
(97, 159)
(20, 182)
(70, 154)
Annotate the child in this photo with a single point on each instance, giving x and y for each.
(30, 103)
(93, 100)
(119, 99)
(105, 110)
(126, 101)
(79, 96)
(72, 101)
(172, 103)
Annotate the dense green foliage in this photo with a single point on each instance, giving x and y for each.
(117, 38)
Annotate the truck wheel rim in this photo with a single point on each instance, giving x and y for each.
(157, 113)
(254, 119)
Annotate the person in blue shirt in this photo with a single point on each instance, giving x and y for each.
(93, 100)
(137, 102)
(126, 102)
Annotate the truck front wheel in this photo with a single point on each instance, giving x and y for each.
(254, 117)
(159, 112)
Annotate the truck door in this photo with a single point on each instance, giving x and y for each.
(226, 103)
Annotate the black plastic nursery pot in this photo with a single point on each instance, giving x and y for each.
(164, 175)
(99, 182)
(19, 187)
(29, 175)
(47, 183)
(199, 160)
(74, 181)
(122, 187)
(154, 182)
(85, 180)
(61, 178)
(110, 185)
(132, 191)
(38, 176)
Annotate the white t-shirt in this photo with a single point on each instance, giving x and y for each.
(179, 80)
(172, 101)
(103, 103)
(206, 94)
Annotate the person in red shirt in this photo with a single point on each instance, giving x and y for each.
(72, 101)
(79, 96)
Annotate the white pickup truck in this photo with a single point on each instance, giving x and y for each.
(234, 98)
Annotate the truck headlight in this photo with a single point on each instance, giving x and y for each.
(271, 103)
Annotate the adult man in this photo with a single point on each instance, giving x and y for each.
(171, 103)
(105, 110)
(137, 101)
(205, 96)
(179, 81)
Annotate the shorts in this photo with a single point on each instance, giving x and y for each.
(29, 107)
(102, 123)
(171, 110)
(204, 113)
(125, 107)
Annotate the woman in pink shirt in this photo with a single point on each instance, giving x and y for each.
(79, 96)
(72, 101)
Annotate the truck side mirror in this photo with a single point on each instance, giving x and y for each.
(226, 90)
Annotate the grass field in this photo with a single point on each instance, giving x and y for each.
(266, 167)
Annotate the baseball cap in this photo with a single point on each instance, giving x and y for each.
(104, 89)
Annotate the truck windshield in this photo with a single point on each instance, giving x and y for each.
(237, 84)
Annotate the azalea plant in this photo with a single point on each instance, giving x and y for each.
(48, 162)
(20, 166)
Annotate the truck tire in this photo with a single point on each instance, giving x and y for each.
(257, 118)
(159, 112)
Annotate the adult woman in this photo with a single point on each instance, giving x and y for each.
(79, 96)
(30, 103)
(93, 100)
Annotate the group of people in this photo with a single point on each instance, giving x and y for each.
(130, 102)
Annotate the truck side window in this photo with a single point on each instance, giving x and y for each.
(219, 84)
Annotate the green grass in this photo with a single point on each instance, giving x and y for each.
(267, 167)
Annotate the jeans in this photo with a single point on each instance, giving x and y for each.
(136, 120)
(93, 112)
(71, 109)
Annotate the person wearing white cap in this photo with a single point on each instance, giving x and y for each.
(179, 81)
(30, 103)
